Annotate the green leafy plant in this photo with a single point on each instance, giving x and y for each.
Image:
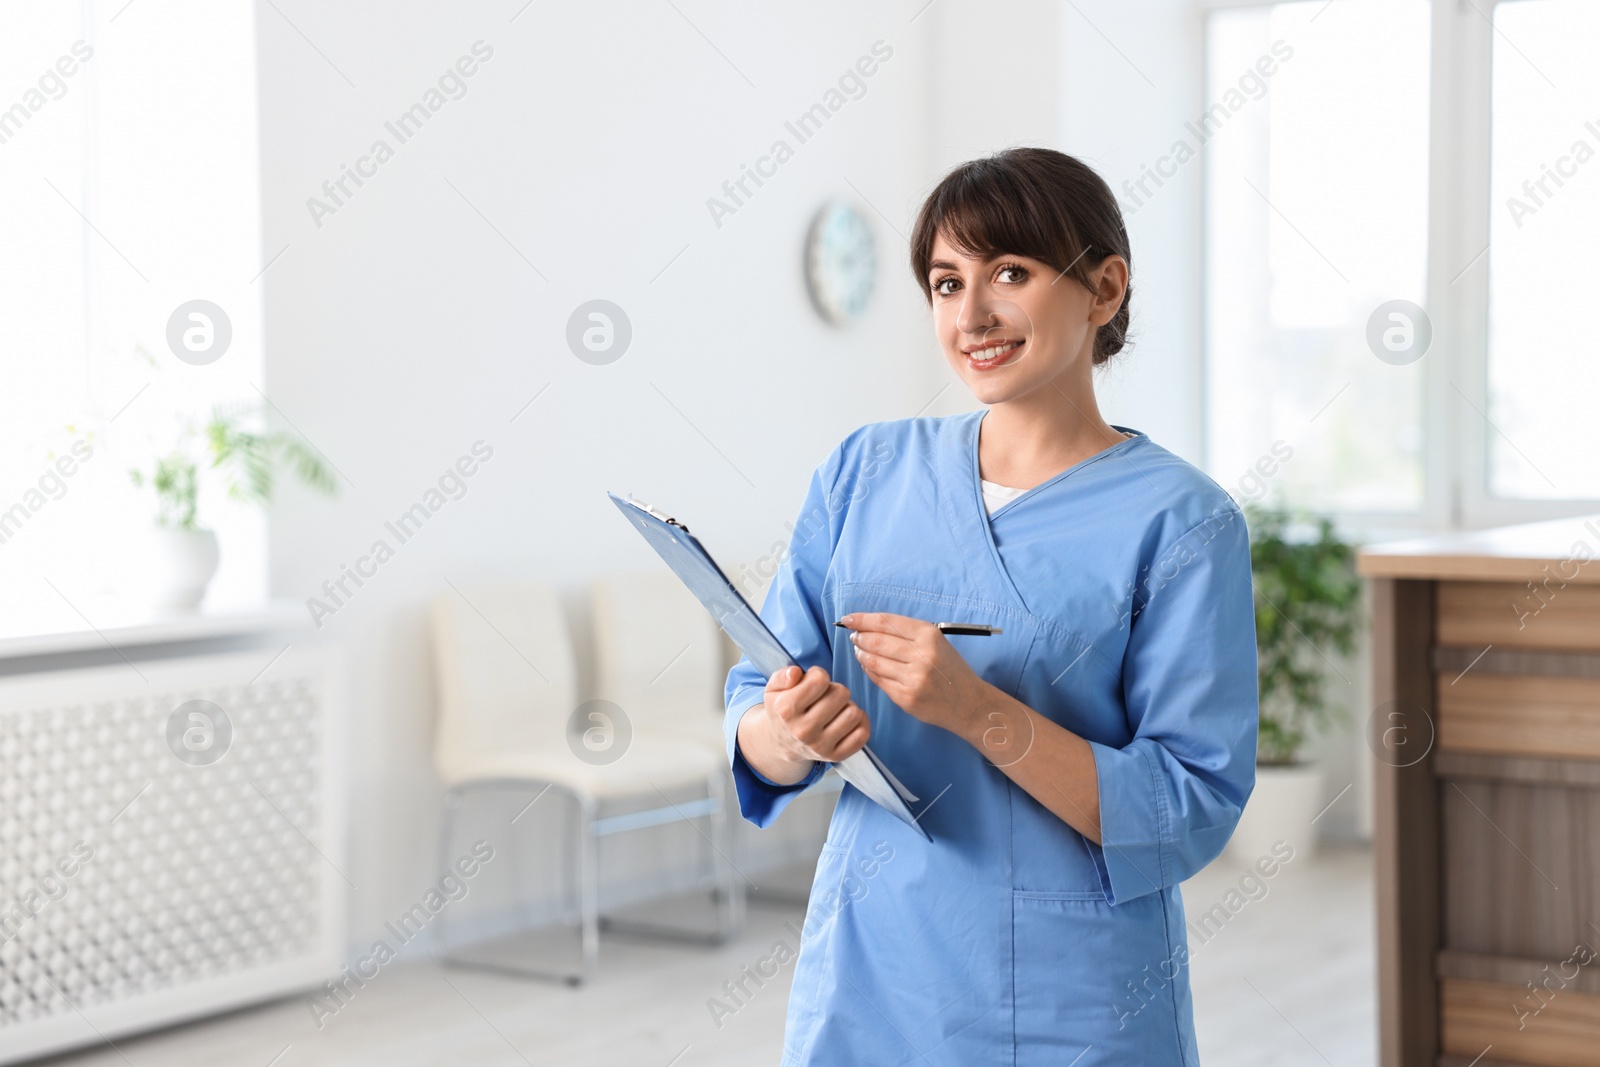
(1307, 599)
(248, 458)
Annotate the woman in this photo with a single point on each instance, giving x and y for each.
(1073, 769)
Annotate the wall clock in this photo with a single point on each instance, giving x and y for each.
(841, 262)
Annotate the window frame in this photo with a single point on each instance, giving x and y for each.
(1456, 438)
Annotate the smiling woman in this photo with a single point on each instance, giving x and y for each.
(997, 249)
(1082, 759)
(1036, 204)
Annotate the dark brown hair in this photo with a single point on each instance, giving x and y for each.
(1033, 202)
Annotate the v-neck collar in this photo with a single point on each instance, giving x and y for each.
(977, 480)
(958, 469)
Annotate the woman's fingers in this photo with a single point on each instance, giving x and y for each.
(817, 714)
(884, 645)
(789, 697)
(787, 678)
(804, 710)
(884, 621)
(881, 668)
(849, 721)
(811, 727)
(852, 742)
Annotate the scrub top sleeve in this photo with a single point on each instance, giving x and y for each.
(1170, 798)
(793, 611)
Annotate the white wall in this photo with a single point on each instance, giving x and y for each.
(410, 323)
(405, 328)
(1131, 77)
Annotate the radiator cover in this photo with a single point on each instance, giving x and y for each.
(143, 879)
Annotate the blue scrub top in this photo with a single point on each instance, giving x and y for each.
(1123, 588)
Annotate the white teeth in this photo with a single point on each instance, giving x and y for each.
(984, 355)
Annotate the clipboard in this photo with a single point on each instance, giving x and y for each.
(689, 560)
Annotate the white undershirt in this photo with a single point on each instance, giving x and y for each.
(995, 494)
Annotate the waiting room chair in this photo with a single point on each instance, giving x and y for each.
(509, 720)
(659, 654)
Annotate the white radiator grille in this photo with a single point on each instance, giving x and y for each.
(128, 875)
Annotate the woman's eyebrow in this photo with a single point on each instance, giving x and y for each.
(945, 264)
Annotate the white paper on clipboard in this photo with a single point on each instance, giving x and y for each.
(689, 560)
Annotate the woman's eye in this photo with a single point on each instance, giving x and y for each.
(1016, 274)
(940, 286)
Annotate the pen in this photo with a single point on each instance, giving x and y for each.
(973, 629)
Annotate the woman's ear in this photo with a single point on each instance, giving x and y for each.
(1110, 288)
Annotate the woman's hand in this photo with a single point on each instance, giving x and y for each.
(803, 718)
(917, 668)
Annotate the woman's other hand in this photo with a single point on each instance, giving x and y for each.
(804, 717)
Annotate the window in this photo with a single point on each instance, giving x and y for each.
(1328, 233)
(1316, 217)
(1543, 371)
(129, 170)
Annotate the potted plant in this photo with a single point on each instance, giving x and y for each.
(1307, 610)
(186, 553)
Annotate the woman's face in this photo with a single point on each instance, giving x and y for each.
(1012, 324)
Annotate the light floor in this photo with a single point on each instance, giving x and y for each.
(1287, 981)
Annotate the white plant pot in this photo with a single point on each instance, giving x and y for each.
(1281, 808)
(183, 562)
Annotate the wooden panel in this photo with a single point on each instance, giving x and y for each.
(1568, 972)
(1455, 660)
(1520, 715)
(1406, 832)
(1545, 615)
(1525, 553)
(1452, 1060)
(1521, 871)
(1477, 1015)
(1572, 773)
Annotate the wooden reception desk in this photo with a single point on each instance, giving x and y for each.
(1486, 728)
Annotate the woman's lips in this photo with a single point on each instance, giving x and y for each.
(993, 355)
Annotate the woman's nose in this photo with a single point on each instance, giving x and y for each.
(977, 312)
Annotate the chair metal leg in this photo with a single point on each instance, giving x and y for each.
(588, 886)
(731, 917)
(727, 898)
(582, 841)
(447, 825)
(571, 887)
(590, 942)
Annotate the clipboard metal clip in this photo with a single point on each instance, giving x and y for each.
(655, 514)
